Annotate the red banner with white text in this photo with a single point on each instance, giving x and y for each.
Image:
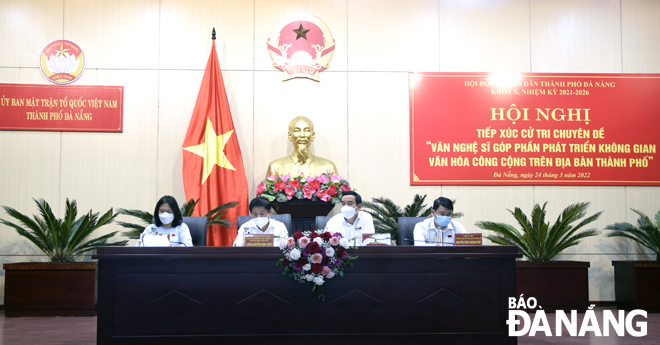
(25, 107)
(534, 129)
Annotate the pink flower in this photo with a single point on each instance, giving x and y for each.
(330, 275)
(323, 178)
(290, 242)
(334, 241)
(317, 258)
(279, 186)
(335, 178)
(345, 188)
(272, 177)
(332, 190)
(326, 270)
(309, 179)
(285, 178)
(289, 192)
(307, 192)
(261, 188)
(323, 195)
(303, 242)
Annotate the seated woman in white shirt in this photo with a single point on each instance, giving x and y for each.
(439, 230)
(168, 225)
(261, 223)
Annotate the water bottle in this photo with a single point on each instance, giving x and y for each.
(432, 236)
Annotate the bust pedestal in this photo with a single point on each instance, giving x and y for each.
(303, 212)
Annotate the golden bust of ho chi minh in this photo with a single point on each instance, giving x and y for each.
(301, 133)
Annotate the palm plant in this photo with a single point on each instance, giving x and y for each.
(62, 239)
(647, 234)
(187, 209)
(386, 213)
(539, 241)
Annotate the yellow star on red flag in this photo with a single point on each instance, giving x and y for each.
(212, 150)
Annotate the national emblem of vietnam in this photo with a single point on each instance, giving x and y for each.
(62, 62)
(301, 46)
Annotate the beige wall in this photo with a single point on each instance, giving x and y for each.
(157, 49)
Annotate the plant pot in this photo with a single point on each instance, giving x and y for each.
(636, 285)
(50, 289)
(304, 208)
(556, 285)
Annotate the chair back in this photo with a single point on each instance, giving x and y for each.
(284, 218)
(321, 221)
(406, 230)
(197, 227)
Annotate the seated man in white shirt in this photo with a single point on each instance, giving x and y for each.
(261, 210)
(439, 230)
(352, 222)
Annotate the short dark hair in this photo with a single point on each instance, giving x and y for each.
(358, 198)
(444, 202)
(260, 201)
(178, 217)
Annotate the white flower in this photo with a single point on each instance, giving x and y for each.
(309, 277)
(344, 243)
(330, 275)
(318, 281)
(307, 267)
(295, 254)
(330, 252)
(319, 241)
(282, 244)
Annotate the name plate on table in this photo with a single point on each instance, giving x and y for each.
(467, 239)
(151, 240)
(259, 240)
(376, 240)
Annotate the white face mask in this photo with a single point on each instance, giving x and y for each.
(261, 221)
(166, 217)
(348, 212)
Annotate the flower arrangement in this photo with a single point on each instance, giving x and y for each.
(324, 187)
(315, 256)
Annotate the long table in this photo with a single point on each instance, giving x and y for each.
(225, 295)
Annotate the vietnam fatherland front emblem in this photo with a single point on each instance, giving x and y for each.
(62, 62)
(301, 46)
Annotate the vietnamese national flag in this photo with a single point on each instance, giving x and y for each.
(212, 162)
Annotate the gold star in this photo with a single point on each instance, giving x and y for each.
(302, 32)
(211, 150)
(62, 50)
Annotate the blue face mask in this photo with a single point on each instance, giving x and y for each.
(442, 220)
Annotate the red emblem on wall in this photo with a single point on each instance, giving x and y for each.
(301, 46)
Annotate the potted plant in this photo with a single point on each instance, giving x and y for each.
(555, 284)
(636, 282)
(386, 213)
(61, 287)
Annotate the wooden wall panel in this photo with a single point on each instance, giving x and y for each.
(640, 34)
(575, 36)
(270, 12)
(377, 144)
(42, 18)
(104, 170)
(484, 36)
(391, 35)
(114, 34)
(185, 35)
